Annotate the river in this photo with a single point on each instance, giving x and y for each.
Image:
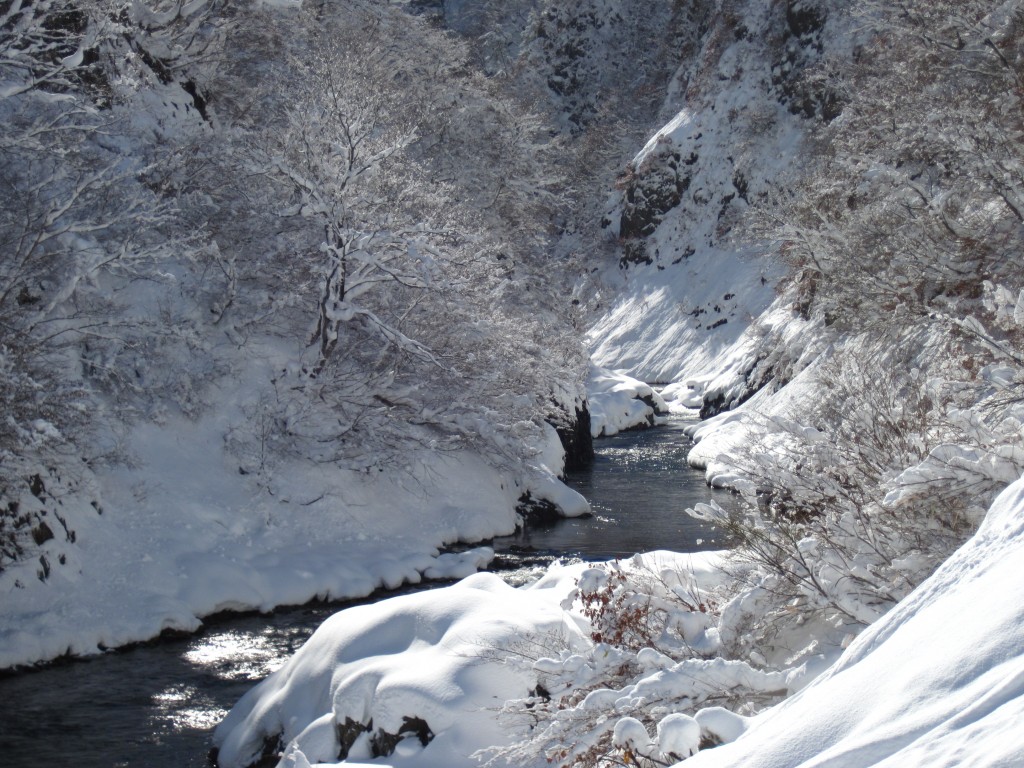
(154, 706)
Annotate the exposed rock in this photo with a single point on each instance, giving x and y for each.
(347, 734)
(537, 511)
(41, 534)
(577, 440)
(650, 191)
(803, 46)
(383, 743)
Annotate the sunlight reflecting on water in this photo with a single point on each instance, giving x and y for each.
(232, 655)
(184, 707)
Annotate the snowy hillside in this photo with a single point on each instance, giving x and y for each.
(691, 289)
(867, 388)
(938, 682)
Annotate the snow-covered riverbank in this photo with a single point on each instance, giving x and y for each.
(161, 557)
(421, 680)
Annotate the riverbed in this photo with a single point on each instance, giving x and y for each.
(154, 706)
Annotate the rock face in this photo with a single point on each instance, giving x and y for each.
(650, 191)
(536, 511)
(803, 43)
(577, 440)
(602, 57)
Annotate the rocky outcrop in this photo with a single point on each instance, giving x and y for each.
(650, 191)
(577, 440)
(803, 44)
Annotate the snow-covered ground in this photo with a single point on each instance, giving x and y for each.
(939, 681)
(659, 326)
(232, 546)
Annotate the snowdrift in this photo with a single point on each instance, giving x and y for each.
(371, 675)
(939, 681)
(619, 402)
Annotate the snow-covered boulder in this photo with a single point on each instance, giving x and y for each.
(417, 678)
(939, 681)
(619, 402)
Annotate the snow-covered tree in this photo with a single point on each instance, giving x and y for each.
(387, 215)
(903, 234)
(84, 227)
(917, 199)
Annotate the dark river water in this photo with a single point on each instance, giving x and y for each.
(639, 488)
(155, 706)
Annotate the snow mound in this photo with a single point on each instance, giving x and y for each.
(421, 680)
(939, 681)
(679, 735)
(619, 402)
(383, 679)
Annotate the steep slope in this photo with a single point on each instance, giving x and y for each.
(690, 287)
(868, 406)
(939, 681)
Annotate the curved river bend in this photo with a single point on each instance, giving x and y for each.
(154, 706)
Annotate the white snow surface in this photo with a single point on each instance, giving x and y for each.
(938, 681)
(430, 655)
(452, 656)
(619, 402)
(650, 329)
(163, 555)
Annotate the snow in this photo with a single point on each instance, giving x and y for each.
(619, 402)
(679, 735)
(631, 734)
(939, 681)
(651, 331)
(453, 657)
(545, 485)
(431, 655)
(337, 535)
(721, 725)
